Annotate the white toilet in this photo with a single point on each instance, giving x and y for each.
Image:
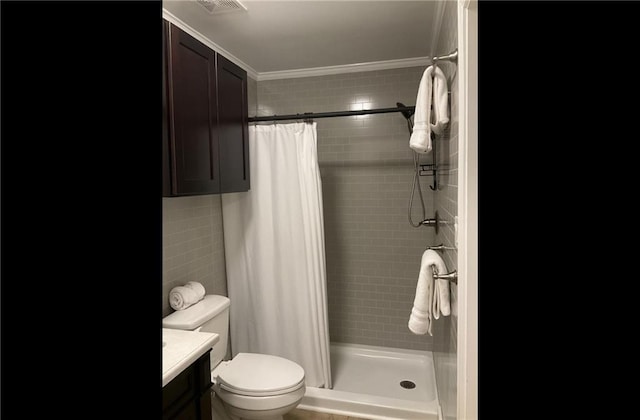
(250, 386)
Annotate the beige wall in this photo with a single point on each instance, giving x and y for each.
(373, 254)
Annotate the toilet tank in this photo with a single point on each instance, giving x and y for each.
(211, 315)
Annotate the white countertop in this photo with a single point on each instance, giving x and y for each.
(180, 348)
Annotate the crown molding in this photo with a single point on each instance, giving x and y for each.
(217, 48)
(292, 74)
(347, 68)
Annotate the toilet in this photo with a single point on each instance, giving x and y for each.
(251, 385)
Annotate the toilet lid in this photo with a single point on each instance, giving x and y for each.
(260, 375)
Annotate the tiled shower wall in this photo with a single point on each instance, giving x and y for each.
(445, 333)
(372, 252)
(192, 237)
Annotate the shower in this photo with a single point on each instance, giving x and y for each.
(416, 178)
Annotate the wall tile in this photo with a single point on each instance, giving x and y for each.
(192, 245)
(446, 198)
(372, 252)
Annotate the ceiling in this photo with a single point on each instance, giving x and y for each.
(275, 36)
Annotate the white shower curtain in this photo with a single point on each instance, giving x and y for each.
(274, 250)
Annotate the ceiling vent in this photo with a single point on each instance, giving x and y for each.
(216, 7)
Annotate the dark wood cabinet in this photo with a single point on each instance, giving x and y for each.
(205, 119)
(234, 136)
(188, 395)
(193, 115)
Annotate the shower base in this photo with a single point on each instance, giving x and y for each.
(367, 384)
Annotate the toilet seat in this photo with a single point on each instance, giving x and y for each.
(259, 375)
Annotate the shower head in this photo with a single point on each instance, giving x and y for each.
(407, 114)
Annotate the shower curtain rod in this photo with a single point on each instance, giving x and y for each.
(313, 115)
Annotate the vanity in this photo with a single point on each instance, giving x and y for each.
(186, 374)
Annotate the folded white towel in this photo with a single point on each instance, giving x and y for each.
(431, 298)
(181, 297)
(432, 89)
(440, 102)
(420, 321)
(420, 318)
(441, 302)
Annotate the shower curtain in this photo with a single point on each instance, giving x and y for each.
(274, 250)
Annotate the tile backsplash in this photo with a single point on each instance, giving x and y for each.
(192, 245)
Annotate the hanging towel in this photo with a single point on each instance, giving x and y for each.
(440, 102)
(424, 309)
(432, 88)
(181, 297)
(441, 302)
(420, 318)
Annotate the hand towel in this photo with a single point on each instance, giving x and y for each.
(181, 297)
(421, 313)
(441, 302)
(196, 287)
(432, 297)
(440, 102)
(432, 89)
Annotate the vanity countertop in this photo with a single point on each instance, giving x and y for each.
(180, 348)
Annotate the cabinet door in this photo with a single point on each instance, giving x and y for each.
(188, 412)
(188, 395)
(193, 116)
(180, 392)
(233, 127)
(166, 165)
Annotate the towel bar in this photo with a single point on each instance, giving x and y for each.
(442, 247)
(452, 276)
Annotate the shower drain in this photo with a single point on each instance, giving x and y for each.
(407, 384)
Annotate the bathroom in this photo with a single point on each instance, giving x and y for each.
(372, 196)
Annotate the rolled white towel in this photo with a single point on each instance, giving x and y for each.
(198, 288)
(182, 297)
